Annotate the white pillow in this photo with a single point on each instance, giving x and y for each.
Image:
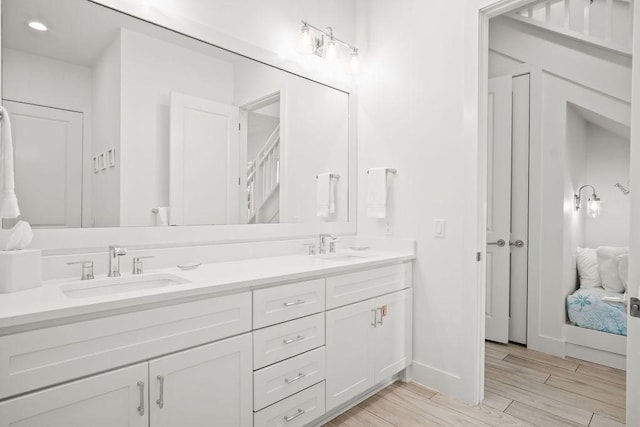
(608, 267)
(587, 262)
(623, 270)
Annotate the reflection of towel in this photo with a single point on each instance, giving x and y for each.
(162, 217)
(8, 200)
(326, 197)
(377, 193)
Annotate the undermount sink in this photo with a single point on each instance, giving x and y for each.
(343, 256)
(118, 285)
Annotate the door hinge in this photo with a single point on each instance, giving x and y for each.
(478, 256)
(238, 180)
(238, 126)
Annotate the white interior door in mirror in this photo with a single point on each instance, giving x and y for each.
(48, 164)
(498, 209)
(204, 178)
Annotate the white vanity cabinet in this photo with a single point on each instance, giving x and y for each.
(192, 388)
(112, 399)
(368, 341)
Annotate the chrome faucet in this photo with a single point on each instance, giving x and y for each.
(115, 252)
(322, 247)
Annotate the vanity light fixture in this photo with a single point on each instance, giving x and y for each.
(325, 45)
(37, 25)
(593, 203)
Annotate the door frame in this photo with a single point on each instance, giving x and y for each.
(476, 45)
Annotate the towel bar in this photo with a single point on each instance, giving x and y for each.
(388, 170)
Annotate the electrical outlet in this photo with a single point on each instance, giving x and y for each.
(388, 230)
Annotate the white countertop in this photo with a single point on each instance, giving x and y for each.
(30, 308)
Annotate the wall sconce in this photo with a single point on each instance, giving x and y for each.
(325, 45)
(593, 203)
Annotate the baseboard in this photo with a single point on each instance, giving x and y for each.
(441, 381)
(549, 345)
(597, 356)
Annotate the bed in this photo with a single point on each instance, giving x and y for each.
(587, 309)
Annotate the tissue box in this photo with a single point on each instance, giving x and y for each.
(20, 270)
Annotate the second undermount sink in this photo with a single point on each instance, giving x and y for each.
(118, 285)
(343, 256)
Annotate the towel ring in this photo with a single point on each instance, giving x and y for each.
(387, 170)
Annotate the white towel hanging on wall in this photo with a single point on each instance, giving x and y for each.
(377, 193)
(8, 201)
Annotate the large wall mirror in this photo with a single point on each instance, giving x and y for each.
(120, 122)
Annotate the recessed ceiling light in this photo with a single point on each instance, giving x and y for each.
(37, 25)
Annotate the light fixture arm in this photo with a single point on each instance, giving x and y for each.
(576, 196)
(328, 32)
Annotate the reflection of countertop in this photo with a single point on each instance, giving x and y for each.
(30, 308)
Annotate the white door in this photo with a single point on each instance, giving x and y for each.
(350, 352)
(114, 399)
(519, 210)
(392, 339)
(498, 208)
(204, 163)
(204, 386)
(48, 164)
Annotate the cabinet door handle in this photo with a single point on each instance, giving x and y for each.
(292, 303)
(300, 376)
(294, 416)
(381, 321)
(375, 318)
(141, 406)
(292, 340)
(160, 400)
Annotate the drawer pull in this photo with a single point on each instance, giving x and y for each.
(381, 321)
(141, 406)
(294, 303)
(375, 318)
(160, 400)
(294, 416)
(300, 376)
(292, 340)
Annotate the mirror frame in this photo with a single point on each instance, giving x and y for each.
(78, 240)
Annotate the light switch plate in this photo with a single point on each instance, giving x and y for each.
(440, 228)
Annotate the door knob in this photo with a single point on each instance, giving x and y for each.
(517, 244)
(499, 243)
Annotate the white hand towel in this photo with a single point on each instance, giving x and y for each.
(8, 200)
(326, 198)
(377, 193)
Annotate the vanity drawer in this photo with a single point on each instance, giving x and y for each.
(287, 302)
(295, 411)
(285, 340)
(283, 379)
(42, 357)
(353, 287)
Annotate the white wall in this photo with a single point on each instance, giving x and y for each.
(575, 171)
(151, 70)
(607, 162)
(106, 135)
(410, 116)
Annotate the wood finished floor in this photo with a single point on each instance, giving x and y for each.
(522, 388)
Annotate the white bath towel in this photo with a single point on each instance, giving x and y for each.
(377, 193)
(8, 200)
(326, 203)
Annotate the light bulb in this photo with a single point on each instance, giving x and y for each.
(354, 61)
(305, 39)
(593, 207)
(37, 25)
(330, 51)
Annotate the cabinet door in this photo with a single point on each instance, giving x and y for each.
(204, 386)
(349, 352)
(114, 399)
(393, 334)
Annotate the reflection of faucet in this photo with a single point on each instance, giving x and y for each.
(322, 247)
(115, 252)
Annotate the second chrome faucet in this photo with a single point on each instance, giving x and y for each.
(115, 252)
